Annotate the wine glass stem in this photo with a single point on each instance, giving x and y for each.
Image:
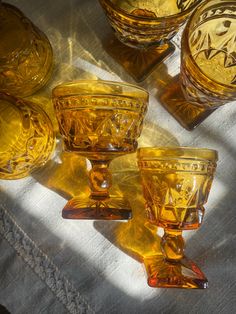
(100, 179)
(172, 245)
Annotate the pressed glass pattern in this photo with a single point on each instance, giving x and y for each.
(146, 27)
(25, 53)
(208, 66)
(99, 120)
(176, 185)
(26, 137)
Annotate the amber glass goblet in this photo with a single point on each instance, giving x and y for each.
(146, 28)
(26, 137)
(208, 64)
(26, 56)
(176, 184)
(101, 121)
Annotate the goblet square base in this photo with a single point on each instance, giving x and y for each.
(113, 208)
(177, 274)
(186, 113)
(138, 63)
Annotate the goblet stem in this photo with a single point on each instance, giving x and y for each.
(172, 245)
(173, 269)
(99, 204)
(100, 179)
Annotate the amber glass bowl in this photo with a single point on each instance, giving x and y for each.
(26, 137)
(176, 185)
(26, 56)
(208, 65)
(143, 24)
(99, 120)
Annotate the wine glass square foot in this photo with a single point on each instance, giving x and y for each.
(177, 274)
(112, 208)
(138, 63)
(187, 113)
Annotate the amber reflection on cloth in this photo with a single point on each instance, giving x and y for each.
(67, 175)
(136, 237)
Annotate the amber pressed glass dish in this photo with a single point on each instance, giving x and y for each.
(176, 184)
(208, 64)
(26, 137)
(101, 121)
(144, 30)
(26, 56)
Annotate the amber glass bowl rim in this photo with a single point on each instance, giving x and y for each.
(148, 18)
(185, 39)
(178, 152)
(72, 88)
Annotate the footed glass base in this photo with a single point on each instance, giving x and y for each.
(139, 63)
(112, 208)
(186, 113)
(177, 274)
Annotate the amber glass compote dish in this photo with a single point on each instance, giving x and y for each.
(146, 28)
(26, 55)
(208, 64)
(26, 137)
(101, 121)
(176, 184)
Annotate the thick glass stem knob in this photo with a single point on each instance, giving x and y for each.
(174, 269)
(100, 179)
(172, 245)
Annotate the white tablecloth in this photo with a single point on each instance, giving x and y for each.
(51, 265)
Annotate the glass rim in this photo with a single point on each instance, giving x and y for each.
(148, 18)
(176, 152)
(185, 38)
(74, 84)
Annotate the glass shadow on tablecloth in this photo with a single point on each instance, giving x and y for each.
(67, 275)
(217, 250)
(137, 238)
(66, 173)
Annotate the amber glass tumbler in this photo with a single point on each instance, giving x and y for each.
(99, 120)
(208, 64)
(176, 185)
(26, 56)
(26, 137)
(147, 26)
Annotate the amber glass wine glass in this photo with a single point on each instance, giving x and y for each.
(176, 183)
(26, 56)
(208, 64)
(146, 28)
(26, 137)
(99, 120)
